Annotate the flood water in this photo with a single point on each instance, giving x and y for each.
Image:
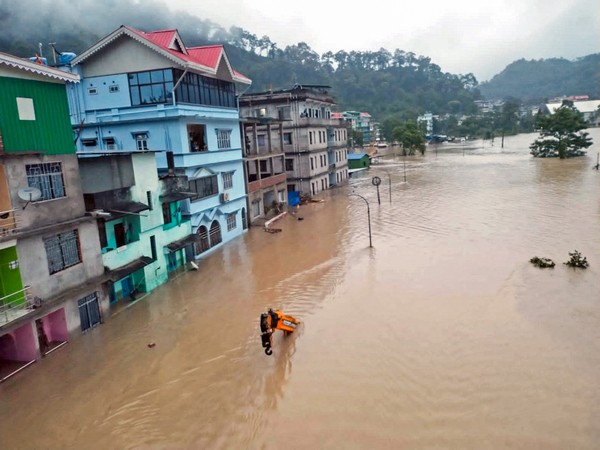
(442, 335)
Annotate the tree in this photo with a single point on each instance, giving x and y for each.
(561, 134)
(411, 137)
(357, 136)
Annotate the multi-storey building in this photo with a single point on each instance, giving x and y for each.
(51, 271)
(143, 235)
(314, 144)
(264, 165)
(149, 91)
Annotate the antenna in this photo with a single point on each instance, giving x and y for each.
(29, 194)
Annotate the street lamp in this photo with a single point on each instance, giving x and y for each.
(368, 215)
(390, 185)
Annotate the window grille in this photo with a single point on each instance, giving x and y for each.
(48, 178)
(215, 233)
(89, 311)
(228, 180)
(63, 251)
(231, 222)
(223, 139)
(204, 187)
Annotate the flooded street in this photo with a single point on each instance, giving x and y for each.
(442, 335)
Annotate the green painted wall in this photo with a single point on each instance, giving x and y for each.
(50, 132)
(10, 279)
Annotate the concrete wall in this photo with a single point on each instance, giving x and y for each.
(42, 213)
(106, 173)
(34, 263)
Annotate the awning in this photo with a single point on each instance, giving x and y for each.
(118, 210)
(127, 269)
(182, 243)
(176, 196)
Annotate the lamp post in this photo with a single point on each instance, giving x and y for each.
(390, 185)
(368, 216)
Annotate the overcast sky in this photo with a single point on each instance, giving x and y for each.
(461, 36)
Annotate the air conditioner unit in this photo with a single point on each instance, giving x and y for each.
(224, 197)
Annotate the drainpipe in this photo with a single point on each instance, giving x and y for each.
(177, 84)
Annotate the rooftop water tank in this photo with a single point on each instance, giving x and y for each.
(38, 60)
(65, 58)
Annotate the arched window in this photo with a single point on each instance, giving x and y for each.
(204, 244)
(215, 233)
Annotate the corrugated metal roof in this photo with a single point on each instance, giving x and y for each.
(40, 69)
(162, 38)
(354, 156)
(207, 56)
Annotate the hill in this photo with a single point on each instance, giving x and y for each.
(538, 80)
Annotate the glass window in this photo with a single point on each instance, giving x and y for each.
(204, 187)
(227, 180)
(289, 164)
(287, 138)
(231, 222)
(223, 139)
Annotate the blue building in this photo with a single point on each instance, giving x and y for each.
(148, 91)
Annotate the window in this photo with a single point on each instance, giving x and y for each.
(62, 251)
(310, 137)
(25, 108)
(48, 178)
(231, 222)
(166, 210)
(261, 140)
(141, 141)
(204, 187)
(264, 166)
(153, 247)
(89, 311)
(200, 90)
(109, 143)
(113, 88)
(92, 91)
(89, 142)
(223, 138)
(227, 180)
(287, 138)
(282, 196)
(289, 164)
(151, 87)
(256, 208)
(215, 233)
(312, 164)
(197, 137)
(203, 244)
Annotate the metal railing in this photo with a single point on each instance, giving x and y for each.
(9, 222)
(15, 305)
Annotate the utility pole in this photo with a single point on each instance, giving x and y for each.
(368, 215)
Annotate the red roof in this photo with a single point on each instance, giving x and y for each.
(207, 56)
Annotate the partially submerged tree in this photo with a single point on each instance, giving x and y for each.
(561, 134)
(411, 137)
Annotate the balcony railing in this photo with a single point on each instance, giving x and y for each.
(15, 305)
(9, 222)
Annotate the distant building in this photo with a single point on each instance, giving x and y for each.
(148, 91)
(314, 143)
(264, 163)
(360, 122)
(588, 108)
(51, 271)
(357, 161)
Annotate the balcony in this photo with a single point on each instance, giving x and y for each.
(263, 183)
(123, 255)
(15, 305)
(9, 222)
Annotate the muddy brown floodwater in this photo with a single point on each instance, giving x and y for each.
(442, 335)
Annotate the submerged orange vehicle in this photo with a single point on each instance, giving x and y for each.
(275, 320)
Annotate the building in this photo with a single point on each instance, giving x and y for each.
(148, 91)
(264, 165)
(144, 237)
(313, 142)
(361, 123)
(358, 161)
(51, 271)
(589, 109)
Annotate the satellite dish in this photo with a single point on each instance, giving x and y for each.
(29, 194)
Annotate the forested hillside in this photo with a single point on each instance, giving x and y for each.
(384, 83)
(546, 78)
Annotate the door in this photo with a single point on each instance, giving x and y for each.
(89, 312)
(120, 234)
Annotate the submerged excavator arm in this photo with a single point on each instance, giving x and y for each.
(275, 320)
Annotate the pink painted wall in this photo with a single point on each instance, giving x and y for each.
(19, 344)
(55, 326)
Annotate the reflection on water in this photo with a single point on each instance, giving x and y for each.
(442, 335)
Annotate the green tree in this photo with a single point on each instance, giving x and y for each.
(411, 137)
(357, 137)
(561, 135)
